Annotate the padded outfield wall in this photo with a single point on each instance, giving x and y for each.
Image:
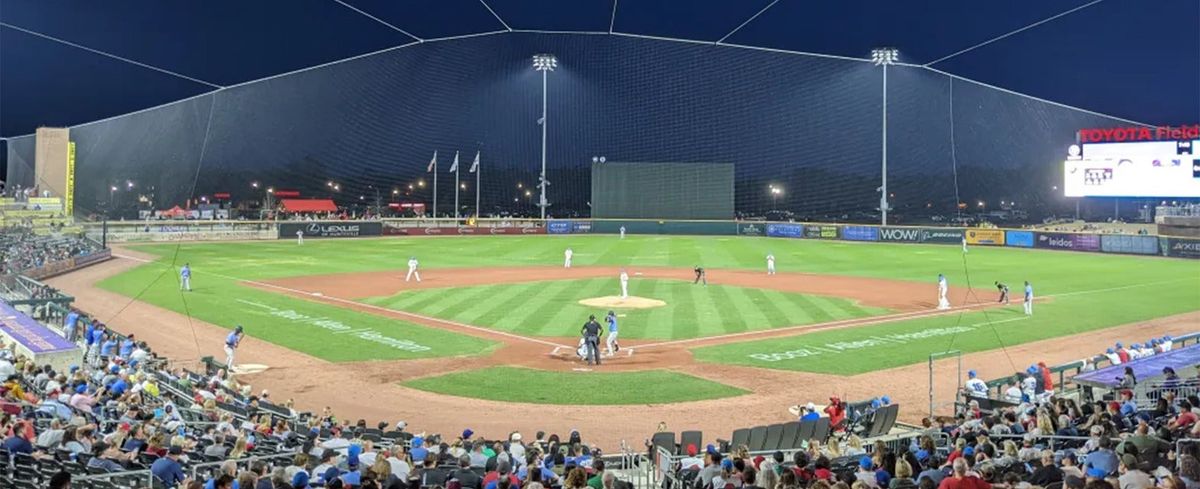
(809, 124)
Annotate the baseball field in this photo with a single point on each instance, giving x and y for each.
(834, 307)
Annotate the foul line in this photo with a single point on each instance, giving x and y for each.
(893, 317)
(373, 307)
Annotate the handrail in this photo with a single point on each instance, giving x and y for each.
(195, 468)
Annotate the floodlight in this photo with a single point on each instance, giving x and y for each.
(545, 62)
(885, 56)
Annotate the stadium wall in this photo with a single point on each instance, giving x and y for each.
(809, 124)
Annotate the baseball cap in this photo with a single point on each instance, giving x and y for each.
(466, 434)
(969, 451)
(710, 448)
(300, 480)
(971, 374)
(691, 449)
(865, 462)
(886, 399)
(922, 455)
(727, 464)
(1096, 473)
(810, 406)
(400, 425)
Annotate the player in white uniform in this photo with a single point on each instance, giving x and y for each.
(300, 237)
(1028, 299)
(567, 258)
(1166, 343)
(943, 303)
(770, 264)
(964, 241)
(622, 232)
(974, 386)
(412, 269)
(624, 284)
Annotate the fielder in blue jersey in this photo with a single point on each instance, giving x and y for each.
(231, 343)
(185, 278)
(611, 319)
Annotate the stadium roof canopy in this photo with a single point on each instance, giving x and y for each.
(64, 63)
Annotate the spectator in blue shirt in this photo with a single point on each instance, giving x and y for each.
(108, 347)
(127, 346)
(167, 469)
(1103, 459)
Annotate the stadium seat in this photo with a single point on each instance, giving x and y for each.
(805, 430)
(821, 431)
(665, 440)
(758, 438)
(740, 437)
(774, 437)
(790, 430)
(691, 438)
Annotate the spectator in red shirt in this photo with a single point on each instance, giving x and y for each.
(1047, 379)
(961, 480)
(836, 410)
(1186, 417)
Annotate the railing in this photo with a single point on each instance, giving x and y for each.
(1192, 210)
(130, 478)
(1146, 394)
(242, 463)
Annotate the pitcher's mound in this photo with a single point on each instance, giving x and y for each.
(630, 302)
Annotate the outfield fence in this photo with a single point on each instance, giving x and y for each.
(180, 230)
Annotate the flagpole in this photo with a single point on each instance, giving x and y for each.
(435, 172)
(478, 170)
(456, 187)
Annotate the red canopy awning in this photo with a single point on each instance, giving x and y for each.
(308, 205)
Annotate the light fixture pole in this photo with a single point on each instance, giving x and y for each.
(544, 63)
(884, 57)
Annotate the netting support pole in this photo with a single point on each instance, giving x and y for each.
(883, 194)
(542, 182)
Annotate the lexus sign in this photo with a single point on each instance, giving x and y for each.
(330, 229)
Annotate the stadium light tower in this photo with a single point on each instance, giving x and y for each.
(544, 63)
(883, 57)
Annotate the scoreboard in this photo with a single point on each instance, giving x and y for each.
(1133, 169)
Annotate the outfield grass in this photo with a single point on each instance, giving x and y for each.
(1150, 287)
(551, 308)
(514, 384)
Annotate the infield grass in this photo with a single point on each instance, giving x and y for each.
(551, 308)
(1089, 291)
(515, 384)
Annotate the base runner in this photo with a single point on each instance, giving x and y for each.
(943, 287)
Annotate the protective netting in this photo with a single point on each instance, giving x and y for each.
(363, 131)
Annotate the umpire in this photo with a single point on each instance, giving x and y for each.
(591, 338)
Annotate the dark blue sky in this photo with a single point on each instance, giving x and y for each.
(1134, 59)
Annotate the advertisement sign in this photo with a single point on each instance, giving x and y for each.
(1023, 239)
(1120, 243)
(752, 229)
(462, 231)
(785, 230)
(581, 226)
(860, 233)
(921, 235)
(69, 193)
(985, 237)
(813, 231)
(330, 229)
(558, 227)
(1181, 248)
(29, 333)
(1060, 241)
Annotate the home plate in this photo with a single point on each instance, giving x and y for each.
(248, 368)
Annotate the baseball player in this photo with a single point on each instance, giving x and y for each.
(770, 264)
(299, 236)
(943, 303)
(567, 257)
(412, 269)
(624, 284)
(974, 386)
(964, 244)
(700, 276)
(185, 277)
(1003, 292)
(231, 343)
(591, 332)
(1028, 299)
(611, 341)
(622, 232)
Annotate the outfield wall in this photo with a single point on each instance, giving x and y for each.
(1018, 238)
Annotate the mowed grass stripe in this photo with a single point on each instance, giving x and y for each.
(658, 322)
(683, 323)
(728, 304)
(499, 308)
(807, 304)
(565, 321)
(547, 298)
(499, 296)
(445, 303)
(764, 303)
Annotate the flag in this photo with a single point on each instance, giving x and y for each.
(454, 167)
(474, 164)
(432, 163)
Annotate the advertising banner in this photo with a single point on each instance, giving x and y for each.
(785, 230)
(1023, 239)
(921, 235)
(1181, 248)
(559, 227)
(69, 193)
(752, 229)
(462, 231)
(860, 233)
(29, 333)
(1061, 241)
(815, 231)
(1120, 243)
(985, 237)
(331, 229)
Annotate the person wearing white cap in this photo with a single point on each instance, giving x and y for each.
(516, 448)
(810, 413)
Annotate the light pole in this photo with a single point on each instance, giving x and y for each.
(884, 57)
(544, 63)
(775, 193)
